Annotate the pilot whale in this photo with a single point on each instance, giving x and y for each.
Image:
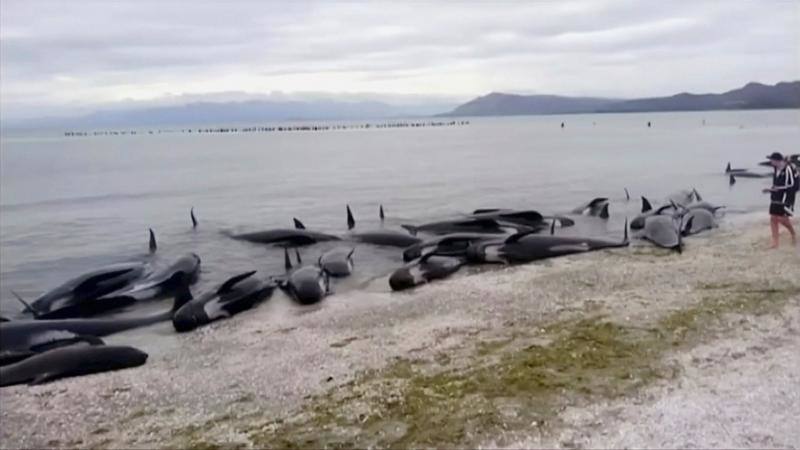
(69, 362)
(428, 268)
(237, 294)
(526, 247)
(24, 334)
(304, 284)
(390, 238)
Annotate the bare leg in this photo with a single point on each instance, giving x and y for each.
(787, 222)
(773, 224)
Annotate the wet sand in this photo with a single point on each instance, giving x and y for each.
(709, 335)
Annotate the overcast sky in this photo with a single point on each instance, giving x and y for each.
(67, 56)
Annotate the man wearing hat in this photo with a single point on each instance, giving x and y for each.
(782, 195)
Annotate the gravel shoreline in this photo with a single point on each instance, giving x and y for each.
(216, 386)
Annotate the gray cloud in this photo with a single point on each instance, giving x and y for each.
(71, 56)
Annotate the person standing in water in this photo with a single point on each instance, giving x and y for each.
(782, 192)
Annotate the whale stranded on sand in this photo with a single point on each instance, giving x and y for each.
(239, 293)
(528, 247)
(70, 361)
(428, 268)
(305, 284)
(338, 262)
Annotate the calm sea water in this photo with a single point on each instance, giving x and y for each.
(68, 205)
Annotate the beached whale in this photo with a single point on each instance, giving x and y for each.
(526, 247)
(26, 334)
(638, 222)
(390, 238)
(697, 220)
(455, 244)
(237, 294)
(56, 340)
(470, 225)
(71, 297)
(285, 236)
(304, 284)
(428, 268)
(663, 231)
(162, 281)
(69, 362)
(338, 262)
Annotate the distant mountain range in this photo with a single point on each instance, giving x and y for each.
(751, 96)
(236, 112)
(260, 111)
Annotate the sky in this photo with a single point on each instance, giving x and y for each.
(71, 57)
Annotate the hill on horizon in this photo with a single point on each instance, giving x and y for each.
(751, 96)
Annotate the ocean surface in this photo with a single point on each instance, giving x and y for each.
(71, 204)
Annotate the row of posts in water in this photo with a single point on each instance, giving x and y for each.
(264, 129)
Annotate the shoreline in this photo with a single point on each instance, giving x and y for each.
(327, 376)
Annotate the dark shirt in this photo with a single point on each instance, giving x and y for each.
(783, 185)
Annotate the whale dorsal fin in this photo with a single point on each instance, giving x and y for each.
(728, 168)
(627, 195)
(351, 222)
(297, 254)
(297, 224)
(228, 285)
(697, 195)
(732, 180)
(380, 213)
(194, 219)
(153, 245)
(646, 206)
(553, 228)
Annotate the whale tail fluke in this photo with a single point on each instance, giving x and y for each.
(351, 222)
(153, 245)
(298, 224)
(297, 254)
(731, 180)
(194, 219)
(553, 228)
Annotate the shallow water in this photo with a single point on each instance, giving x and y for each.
(68, 205)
